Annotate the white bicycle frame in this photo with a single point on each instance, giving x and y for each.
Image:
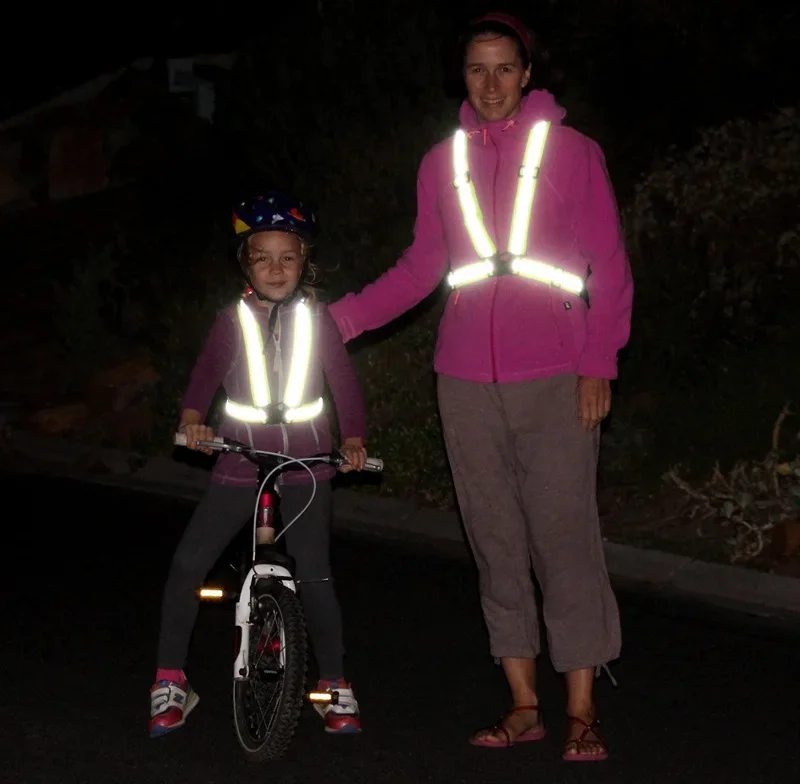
(244, 601)
(244, 608)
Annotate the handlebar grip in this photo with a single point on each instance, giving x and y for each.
(374, 464)
(179, 439)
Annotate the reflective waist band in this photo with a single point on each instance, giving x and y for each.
(532, 269)
(273, 414)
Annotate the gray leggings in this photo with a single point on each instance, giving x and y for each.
(219, 516)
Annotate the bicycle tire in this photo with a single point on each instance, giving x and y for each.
(273, 595)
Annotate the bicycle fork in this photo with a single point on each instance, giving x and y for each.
(245, 606)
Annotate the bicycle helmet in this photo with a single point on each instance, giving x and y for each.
(273, 211)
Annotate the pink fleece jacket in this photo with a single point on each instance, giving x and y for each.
(506, 328)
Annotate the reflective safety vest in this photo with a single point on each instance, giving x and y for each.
(515, 262)
(264, 410)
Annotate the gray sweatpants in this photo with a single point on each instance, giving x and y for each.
(219, 516)
(525, 478)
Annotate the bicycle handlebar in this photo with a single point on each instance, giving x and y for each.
(220, 444)
(179, 439)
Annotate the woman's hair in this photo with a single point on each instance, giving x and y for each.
(495, 27)
(531, 52)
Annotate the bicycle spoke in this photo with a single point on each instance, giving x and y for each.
(268, 702)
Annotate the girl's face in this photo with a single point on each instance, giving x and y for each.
(275, 263)
(495, 76)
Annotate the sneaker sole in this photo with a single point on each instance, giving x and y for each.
(191, 703)
(346, 730)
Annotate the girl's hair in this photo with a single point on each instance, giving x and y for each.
(531, 52)
(310, 272)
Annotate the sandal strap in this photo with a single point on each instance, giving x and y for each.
(587, 728)
(594, 723)
(501, 727)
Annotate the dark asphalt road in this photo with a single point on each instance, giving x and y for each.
(702, 697)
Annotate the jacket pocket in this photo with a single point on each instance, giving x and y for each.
(570, 316)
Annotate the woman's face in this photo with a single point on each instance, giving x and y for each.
(495, 76)
(275, 263)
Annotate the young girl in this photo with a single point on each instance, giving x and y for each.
(274, 231)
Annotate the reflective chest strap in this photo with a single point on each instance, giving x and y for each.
(256, 357)
(292, 408)
(526, 188)
(468, 200)
(301, 356)
(520, 220)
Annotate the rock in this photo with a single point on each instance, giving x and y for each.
(137, 370)
(125, 429)
(119, 386)
(115, 406)
(788, 567)
(59, 420)
(786, 539)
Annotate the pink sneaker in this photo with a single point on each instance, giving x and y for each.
(170, 704)
(343, 717)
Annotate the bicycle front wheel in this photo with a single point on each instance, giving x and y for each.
(267, 704)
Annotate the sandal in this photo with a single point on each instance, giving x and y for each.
(483, 738)
(580, 743)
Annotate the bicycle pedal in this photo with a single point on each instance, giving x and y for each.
(323, 697)
(214, 594)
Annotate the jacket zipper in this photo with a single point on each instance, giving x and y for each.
(279, 373)
(494, 280)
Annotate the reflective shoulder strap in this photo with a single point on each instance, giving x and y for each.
(301, 356)
(526, 188)
(468, 199)
(256, 362)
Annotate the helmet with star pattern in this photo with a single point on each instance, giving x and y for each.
(273, 211)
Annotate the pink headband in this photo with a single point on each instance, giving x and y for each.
(515, 24)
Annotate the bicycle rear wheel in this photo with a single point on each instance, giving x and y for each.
(267, 704)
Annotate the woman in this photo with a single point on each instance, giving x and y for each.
(519, 210)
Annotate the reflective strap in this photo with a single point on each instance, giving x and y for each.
(520, 219)
(306, 412)
(470, 209)
(245, 413)
(301, 355)
(526, 188)
(525, 268)
(471, 273)
(256, 361)
(260, 415)
(547, 273)
(257, 367)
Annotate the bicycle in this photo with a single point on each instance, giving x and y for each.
(271, 644)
